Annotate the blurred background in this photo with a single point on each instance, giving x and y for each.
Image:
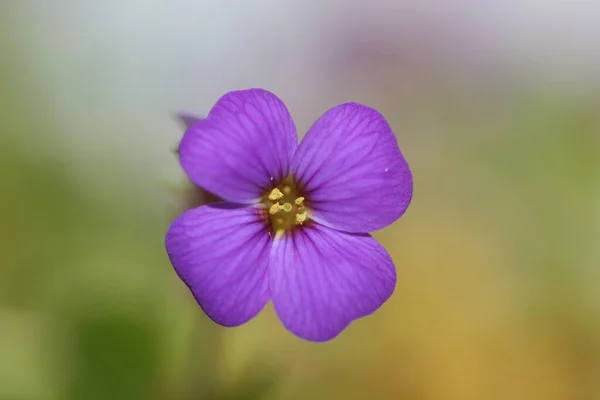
(496, 105)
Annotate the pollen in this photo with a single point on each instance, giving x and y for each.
(301, 217)
(275, 194)
(299, 201)
(274, 209)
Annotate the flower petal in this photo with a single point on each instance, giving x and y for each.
(221, 252)
(246, 142)
(322, 279)
(352, 170)
(187, 120)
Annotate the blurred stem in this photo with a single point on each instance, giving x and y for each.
(206, 338)
(205, 355)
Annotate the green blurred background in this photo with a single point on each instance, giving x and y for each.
(496, 106)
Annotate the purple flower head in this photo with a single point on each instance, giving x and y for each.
(292, 226)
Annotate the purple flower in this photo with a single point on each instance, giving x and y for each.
(292, 226)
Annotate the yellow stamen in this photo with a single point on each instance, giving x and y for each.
(274, 209)
(285, 207)
(275, 194)
(301, 217)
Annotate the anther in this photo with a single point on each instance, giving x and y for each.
(299, 200)
(274, 209)
(275, 194)
(301, 217)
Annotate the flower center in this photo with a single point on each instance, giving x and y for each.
(285, 205)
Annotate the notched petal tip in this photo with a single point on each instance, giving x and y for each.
(353, 170)
(221, 253)
(247, 140)
(321, 280)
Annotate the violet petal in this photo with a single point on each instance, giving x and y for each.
(221, 252)
(245, 143)
(187, 120)
(354, 174)
(322, 279)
